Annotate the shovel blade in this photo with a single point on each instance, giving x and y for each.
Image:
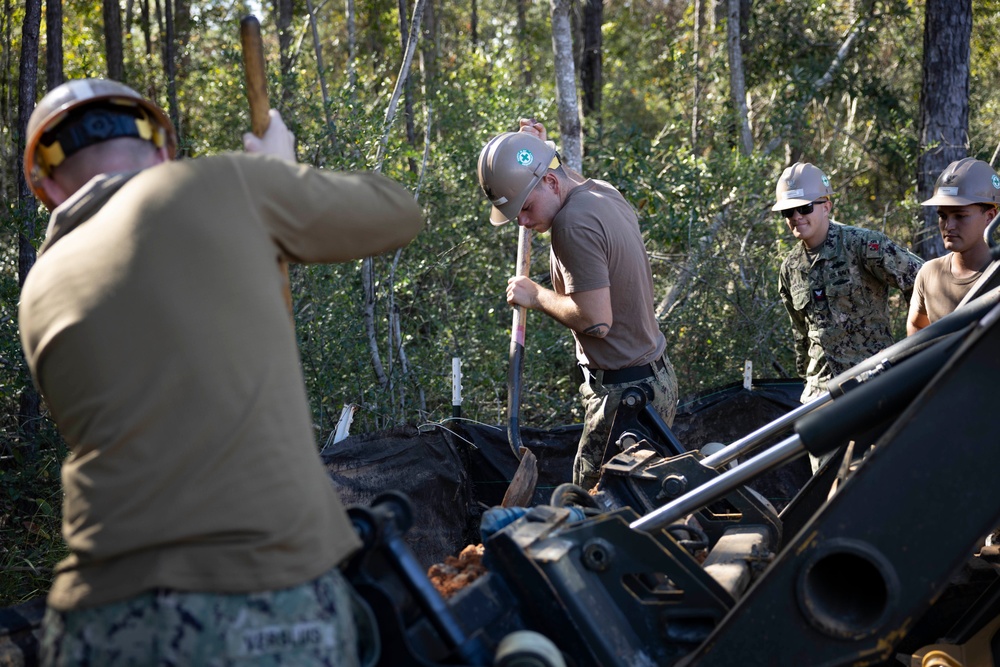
(522, 486)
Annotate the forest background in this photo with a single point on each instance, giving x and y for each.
(692, 108)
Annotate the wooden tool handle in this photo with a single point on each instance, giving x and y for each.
(256, 74)
(516, 358)
(260, 120)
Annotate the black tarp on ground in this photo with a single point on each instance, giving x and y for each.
(452, 471)
(426, 466)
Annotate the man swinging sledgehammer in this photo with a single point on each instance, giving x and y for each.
(201, 526)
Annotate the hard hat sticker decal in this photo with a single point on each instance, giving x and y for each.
(948, 192)
(826, 181)
(792, 194)
(525, 157)
(996, 182)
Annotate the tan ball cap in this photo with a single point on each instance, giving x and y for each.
(39, 160)
(800, 184)
(510, 166)
(966, 181)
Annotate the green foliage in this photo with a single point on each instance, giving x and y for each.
(704, 208)
(30, 510)
(30, 494)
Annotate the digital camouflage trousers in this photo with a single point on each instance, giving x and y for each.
(600, 402)
(309, 625)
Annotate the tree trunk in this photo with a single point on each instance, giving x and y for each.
(375, 31)
(352, 46)
(283, 13)
(7, 87)
(429, 50)
(474, 23)
(27, 87)
(696, 69)
(144, 25)
(737, 83)
(568, 107)
(522, 42)
(368, 264)
(182, 37)
(53, 44)
(321, 75)
(944, 103)
(411, 137)
(112, 13)
(746, 9)
(591, 77)
(169, 60)
(27, 90)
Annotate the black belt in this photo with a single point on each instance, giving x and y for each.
(631, 374)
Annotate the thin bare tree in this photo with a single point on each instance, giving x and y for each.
(430, 48)
(368, 265)
(699, 7)
(352, 46)
(411, 137)
(321, 74)
(170, 64)
(568, 108)
(737, 82)
(27, 87)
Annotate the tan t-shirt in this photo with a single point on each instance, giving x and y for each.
(596, 242)
(937, 292)
(155, 327)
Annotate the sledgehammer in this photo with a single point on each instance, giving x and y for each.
(256, 83)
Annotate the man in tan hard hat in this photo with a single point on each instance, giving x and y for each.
(835, 282)
(966, 195)
(602, 285)
(201, 526)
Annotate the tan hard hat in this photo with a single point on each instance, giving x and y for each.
(43, 153)
(800, 184)
(510, 166)
(966, 181)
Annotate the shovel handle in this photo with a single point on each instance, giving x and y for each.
(516, 366)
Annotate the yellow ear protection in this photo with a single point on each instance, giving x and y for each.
(92, 124)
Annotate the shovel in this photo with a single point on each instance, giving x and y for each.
(522, 486)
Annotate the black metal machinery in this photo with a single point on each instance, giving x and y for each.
(677, 562)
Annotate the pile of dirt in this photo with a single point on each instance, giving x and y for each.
(457, 572)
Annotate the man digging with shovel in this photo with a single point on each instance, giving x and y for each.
(201, 526)
(602, 282)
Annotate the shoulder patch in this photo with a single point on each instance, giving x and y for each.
(874, 248)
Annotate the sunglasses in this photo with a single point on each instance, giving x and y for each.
(805, 209)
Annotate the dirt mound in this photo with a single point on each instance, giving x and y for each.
(457, 572)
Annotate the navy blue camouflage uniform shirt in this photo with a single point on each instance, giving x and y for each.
(837, 297)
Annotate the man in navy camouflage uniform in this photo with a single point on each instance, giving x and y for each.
(835, 283)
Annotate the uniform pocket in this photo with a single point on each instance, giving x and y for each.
(800, 296)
